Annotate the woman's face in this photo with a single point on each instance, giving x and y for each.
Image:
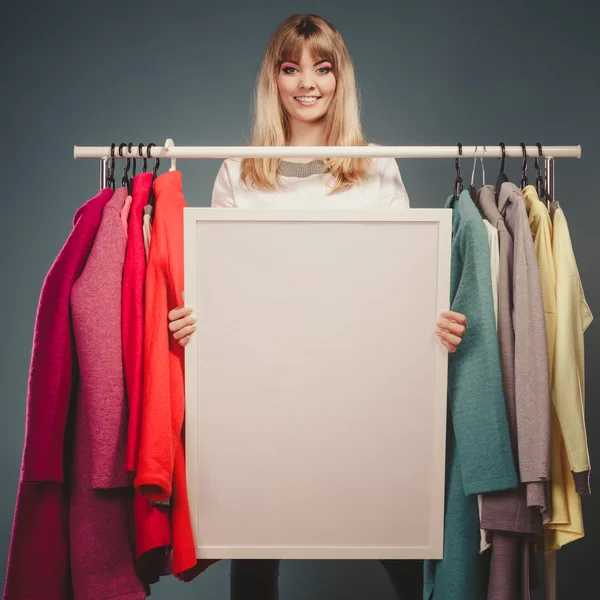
(309, 79)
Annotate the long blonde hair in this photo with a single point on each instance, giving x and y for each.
(271, 121)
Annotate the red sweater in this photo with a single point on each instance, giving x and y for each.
(152, 525)
(161, 463)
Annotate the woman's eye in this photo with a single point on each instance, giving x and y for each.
(325, 70)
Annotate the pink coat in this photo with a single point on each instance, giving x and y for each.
(102, 563)
(38, 560)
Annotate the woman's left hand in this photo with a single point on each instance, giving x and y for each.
(452, 329)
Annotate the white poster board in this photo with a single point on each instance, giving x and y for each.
(315, 382)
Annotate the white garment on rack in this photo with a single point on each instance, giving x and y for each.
(492, 234)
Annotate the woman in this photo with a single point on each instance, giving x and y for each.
(306, 96)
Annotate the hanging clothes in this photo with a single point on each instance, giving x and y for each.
(492, 235)
(38, 558)
(134, 273)
(573, 317)
(153, 536)
(541, 229)
(479, 459)
(532, 379)
(102, 564)
(161, 464)
(507, 513)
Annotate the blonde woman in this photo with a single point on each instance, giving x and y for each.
(306, 96)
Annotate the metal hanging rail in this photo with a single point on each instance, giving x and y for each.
(170, 151)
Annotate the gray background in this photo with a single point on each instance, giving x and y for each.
(430, 73)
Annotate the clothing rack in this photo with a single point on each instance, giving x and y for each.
(169, 150)
(172, 152)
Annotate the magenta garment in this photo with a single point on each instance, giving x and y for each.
(134, 277)
(102, 565)
(50, 374)
(38, 559)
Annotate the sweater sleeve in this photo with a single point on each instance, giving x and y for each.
(476, 397)
(392, 193)
(573, 318)
(222, 195)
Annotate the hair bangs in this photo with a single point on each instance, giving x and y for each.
(318, 42)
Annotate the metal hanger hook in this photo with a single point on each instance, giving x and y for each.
(145, 163)
(474, 167)
(524, 180)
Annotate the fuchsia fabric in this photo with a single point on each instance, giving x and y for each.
(38, 560)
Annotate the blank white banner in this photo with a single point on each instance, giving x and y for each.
(315, 383)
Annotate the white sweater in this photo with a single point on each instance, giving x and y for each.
(304, 186)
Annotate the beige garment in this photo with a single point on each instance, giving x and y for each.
(147, 227)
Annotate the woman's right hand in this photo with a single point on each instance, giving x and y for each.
(182, 324)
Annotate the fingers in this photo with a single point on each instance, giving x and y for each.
(180, 323)
(184, 341)
(184, 331)
(448, 345)
(456, 317)
(451, 327)
(180, 312)
(446, 336)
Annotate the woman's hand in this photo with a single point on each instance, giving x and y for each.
(452, 329)
(182, 324)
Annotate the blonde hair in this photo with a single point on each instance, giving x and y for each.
(342, 119)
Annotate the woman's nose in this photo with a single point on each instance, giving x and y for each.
(306, 81)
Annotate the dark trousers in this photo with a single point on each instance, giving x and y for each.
(258, 579)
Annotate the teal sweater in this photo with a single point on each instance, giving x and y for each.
(478, 454)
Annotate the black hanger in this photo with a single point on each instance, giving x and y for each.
(502, 176)
(458, 183)
(152, 197)
(126, 180)
(524, 180)
(123, 179)
(134, 170)
(145, 160)
(539, 180)
(110, 175)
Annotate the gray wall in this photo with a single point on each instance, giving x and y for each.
(430, 72)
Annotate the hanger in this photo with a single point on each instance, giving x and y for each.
(524, 180)
(152, 198)
(126, 180)
(123, 179)
(145, 165)
(110, 176)
(539, 180)
(458, 183)
(134, 162)
(472, 189)
(502, 176)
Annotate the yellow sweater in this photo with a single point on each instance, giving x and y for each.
(567, 317)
